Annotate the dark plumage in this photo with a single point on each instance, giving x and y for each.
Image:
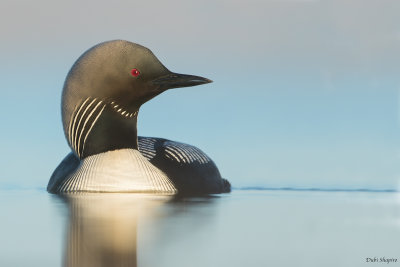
(100, 103)
(189, 168)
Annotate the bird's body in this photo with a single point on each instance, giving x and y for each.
(189, 169)
(101, 99)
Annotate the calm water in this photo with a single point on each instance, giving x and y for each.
(244, 228)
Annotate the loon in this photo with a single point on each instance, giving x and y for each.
(101, 98)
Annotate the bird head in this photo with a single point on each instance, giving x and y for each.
(104, 90)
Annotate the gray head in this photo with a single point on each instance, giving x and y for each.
(103, 93)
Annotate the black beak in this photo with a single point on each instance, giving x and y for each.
(176, 80)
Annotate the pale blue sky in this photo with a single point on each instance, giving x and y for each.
(305, 93)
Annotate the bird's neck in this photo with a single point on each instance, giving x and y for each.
(112, 131)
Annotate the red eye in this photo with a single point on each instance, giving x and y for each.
(135, 72)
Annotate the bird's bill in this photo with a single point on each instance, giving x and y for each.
(176, 80)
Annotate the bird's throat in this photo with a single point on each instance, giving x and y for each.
(113, 130)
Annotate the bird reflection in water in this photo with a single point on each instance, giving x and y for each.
(102, 228)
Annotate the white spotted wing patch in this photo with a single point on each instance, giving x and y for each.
(185, 154)
(177, 152)
(82, 121)
(147, 147)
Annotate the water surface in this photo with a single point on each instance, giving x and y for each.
(244, 228)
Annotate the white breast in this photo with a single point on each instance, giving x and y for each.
(124, 170)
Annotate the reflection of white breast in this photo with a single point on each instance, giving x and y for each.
(124, 170)
(102, 228)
